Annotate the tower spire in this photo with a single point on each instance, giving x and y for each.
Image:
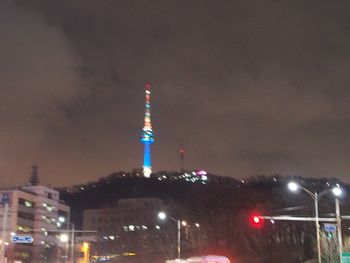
(147, 136)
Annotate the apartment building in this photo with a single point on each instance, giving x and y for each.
(34, 211)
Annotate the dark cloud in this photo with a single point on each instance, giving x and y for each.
(39, 74)
(248, 87)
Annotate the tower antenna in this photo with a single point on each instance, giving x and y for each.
(34, 179)
(147, 136)
(182, 157)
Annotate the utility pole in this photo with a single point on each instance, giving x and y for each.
(338, 217)
(4, 200)
(178, 239)
(72, 243)
(319, 256)
(3, 234)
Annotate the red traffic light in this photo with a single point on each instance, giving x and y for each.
(257, 221)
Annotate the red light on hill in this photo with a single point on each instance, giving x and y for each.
(147, 86)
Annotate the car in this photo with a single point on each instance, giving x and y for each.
(208, 259)
(176, 261)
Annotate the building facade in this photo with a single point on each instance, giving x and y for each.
(36, 212)
(128, 227)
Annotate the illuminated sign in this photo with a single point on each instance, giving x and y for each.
(22, 239)
(4, 198)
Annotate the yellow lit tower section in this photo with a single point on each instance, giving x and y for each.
(147, 136)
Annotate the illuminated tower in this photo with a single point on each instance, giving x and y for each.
(147, 137)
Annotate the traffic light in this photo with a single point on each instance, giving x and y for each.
(257, 221)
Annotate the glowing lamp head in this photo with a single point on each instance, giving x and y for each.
(162, 215)
(337, 191)
(293, 186)
(64, 238)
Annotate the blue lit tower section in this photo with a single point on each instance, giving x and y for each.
(147, 136)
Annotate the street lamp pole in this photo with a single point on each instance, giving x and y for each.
(316, 197)
(72, 242)
(317, 228)
(64, 238)
(178, 224)
(163, 216)
(178, 239)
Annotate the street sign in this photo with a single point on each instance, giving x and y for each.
(86, 239)
(22, 239)
(330, 227)
(345, 257)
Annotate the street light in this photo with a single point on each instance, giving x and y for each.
(163, 216)
(337, 191)
(64, 238)
(293, 186)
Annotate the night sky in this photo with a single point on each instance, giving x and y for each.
(246, 87)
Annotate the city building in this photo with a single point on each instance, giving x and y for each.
(128, 226)
(37, 212)
(128, 215)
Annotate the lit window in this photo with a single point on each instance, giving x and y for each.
(28, 204)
